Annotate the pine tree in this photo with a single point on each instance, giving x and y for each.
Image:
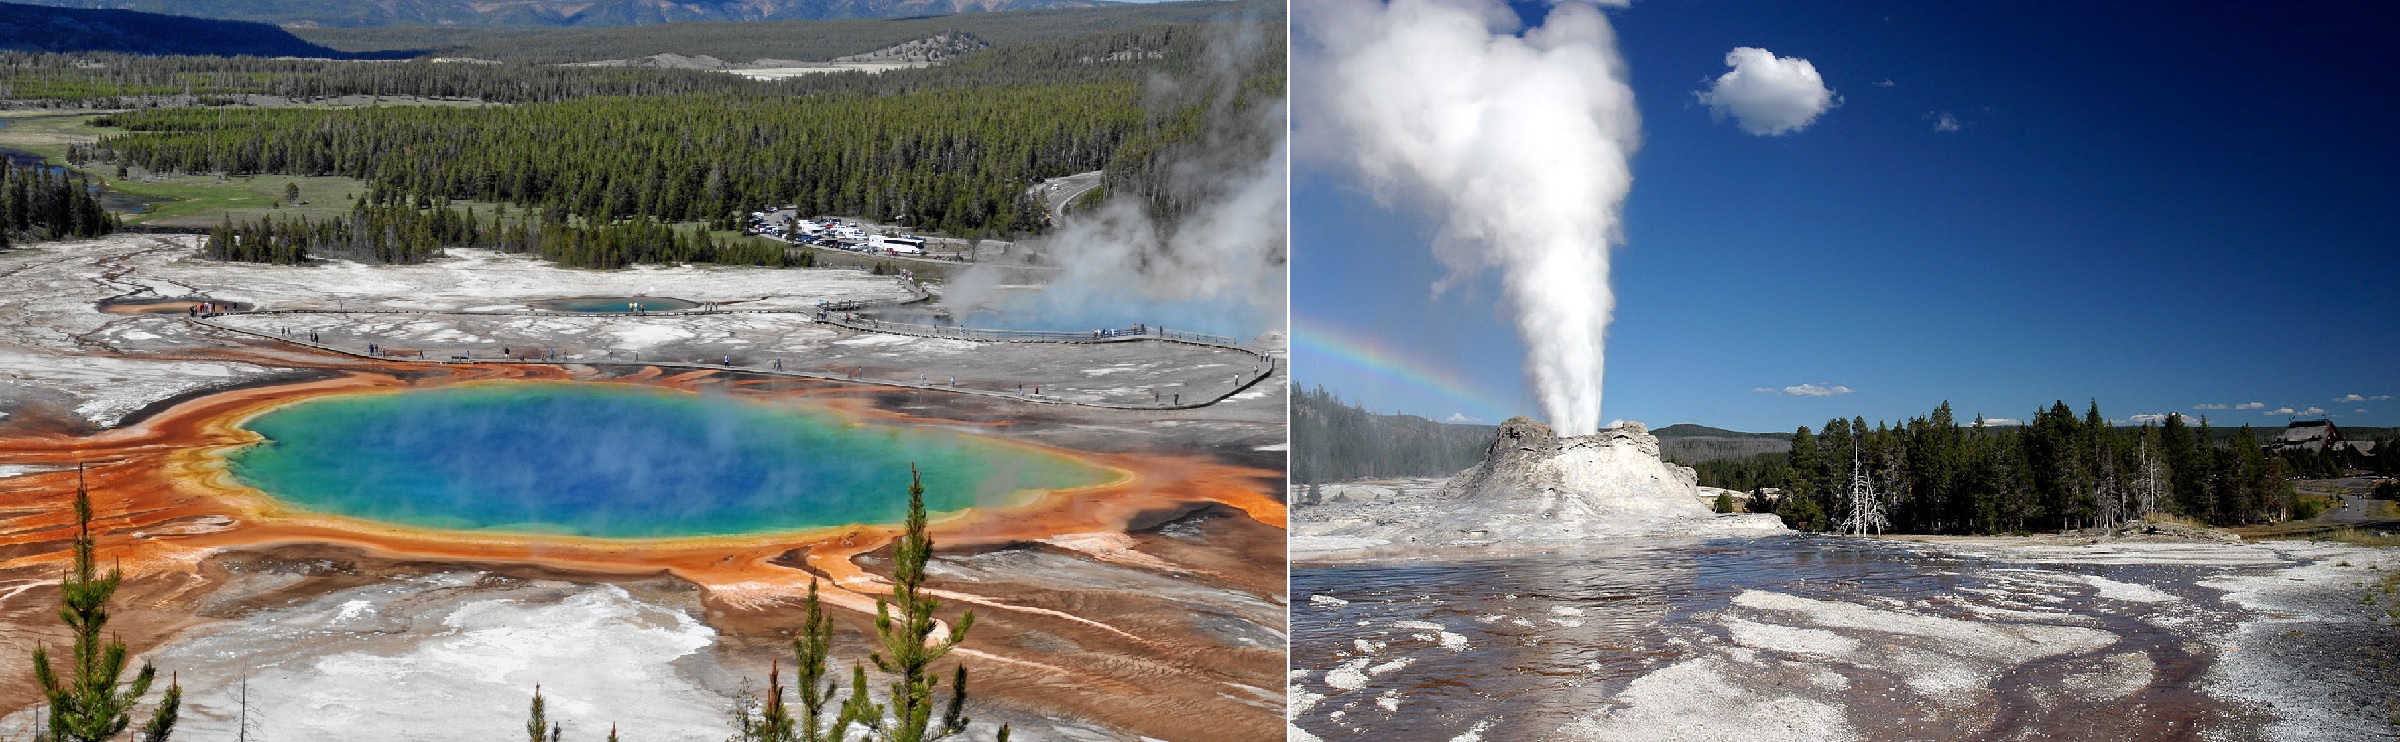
(810, 652)
(1801, 507)
(538, 722)
(91, 705)
(907, 653)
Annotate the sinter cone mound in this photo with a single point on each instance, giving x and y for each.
(1533, 489)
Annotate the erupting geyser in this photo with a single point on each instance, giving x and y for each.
(1517, 146)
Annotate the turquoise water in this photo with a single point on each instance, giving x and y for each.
(621, 462)
(615, 304)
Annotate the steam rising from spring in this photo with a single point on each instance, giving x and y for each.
(1516, 145)
(1207, 250)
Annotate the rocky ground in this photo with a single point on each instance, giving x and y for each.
(96, 330)
(1827, 638)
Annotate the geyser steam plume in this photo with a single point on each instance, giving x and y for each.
(1516, 145)
(1197, 239)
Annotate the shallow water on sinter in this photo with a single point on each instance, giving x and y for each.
(1554, 638)
(615, 304)
(623, 462)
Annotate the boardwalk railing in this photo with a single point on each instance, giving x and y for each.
(1241, 382)
(1027, 336)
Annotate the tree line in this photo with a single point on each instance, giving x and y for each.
(108, 80)
(814, 40)
(48, 203)
(403, 233)
(1334, 440)
(2058, 471)
(957, 160)
(113, 80)
(952, 148)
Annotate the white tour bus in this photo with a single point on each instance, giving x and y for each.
(902, 245)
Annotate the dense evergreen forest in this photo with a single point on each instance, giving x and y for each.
(813, 41)
(134, 81)
(403, 233)
(104, 80)
(1335, 441)
(952, 148)
(540, 13)
(956, 160)
(2059, 471)
(48, 203)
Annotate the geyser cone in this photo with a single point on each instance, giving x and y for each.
(1533, 489)
(1616, 471)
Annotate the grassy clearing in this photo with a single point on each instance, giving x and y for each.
(2165, 517)
(46, 134)
(188, 200)
(2351, 536)
(206, 200)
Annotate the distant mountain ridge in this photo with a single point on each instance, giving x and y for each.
(798, 40)
(537, 13)
(1334, 440)
(1688, 443)
(1695, 430)
(52, 29)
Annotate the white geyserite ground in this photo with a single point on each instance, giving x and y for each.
(1764, 668)
(58, 348)
(430, 658)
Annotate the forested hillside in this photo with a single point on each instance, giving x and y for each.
(40, 28)
(130, 81)
(550, 12)
(950, 148)
(1131, 57)
(1333, 441)
(1689, 444)
(958, 159)
(810, 41)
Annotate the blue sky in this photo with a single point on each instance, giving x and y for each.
(2160, 206)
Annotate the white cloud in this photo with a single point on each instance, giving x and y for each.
(2280, 411)
(2002, 422)
(2156, 417)
(2209, 407)
(2380, 398)
(1806, 390)
(2360, 410)
(1884, 83)
(2251, 406)
(1461, 417)
(2313, 411)
(1943, 121)
(1768, 95)
(2350, 398)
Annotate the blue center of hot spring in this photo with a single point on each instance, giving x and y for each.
(622, 462)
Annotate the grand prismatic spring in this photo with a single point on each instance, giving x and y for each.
(615, 461)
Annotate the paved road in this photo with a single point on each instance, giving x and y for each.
(2350, 491)
(1069, 187)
